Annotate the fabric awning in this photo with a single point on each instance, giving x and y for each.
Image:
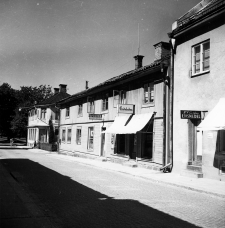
(117, 125)
(215, 120)
(137, 123)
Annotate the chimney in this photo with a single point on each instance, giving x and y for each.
(56, 90)
(86, 84)
(138, 61)
(161, 49)
(62, 88)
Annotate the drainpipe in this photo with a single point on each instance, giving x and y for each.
(58, 128)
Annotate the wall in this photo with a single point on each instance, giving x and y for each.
(198, 93)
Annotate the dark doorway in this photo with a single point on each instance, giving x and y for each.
(120, 144)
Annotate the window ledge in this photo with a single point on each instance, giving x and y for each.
(199, 74)
(67, 117)
(105, 112)
(148, 105)
(80, 115)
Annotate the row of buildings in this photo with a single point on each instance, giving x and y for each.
(169, 114)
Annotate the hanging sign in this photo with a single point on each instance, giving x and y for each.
(95, 116)
(187, 114)
(125, 108)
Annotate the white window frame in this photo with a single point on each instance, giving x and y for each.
(78, 135)
(119, 97)
(90, 138)
(150, 93)
(63, 130)
(201, 58)
(67, 114)
(105, 103)
(90, 105)
(69, 135)
(80, 110)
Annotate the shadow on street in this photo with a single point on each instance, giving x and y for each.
(76, 205)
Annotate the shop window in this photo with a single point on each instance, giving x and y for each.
(78, 136)
(201, 58)
(90, 145)
(119, 97)
(43, 135)
(67, 112)
(149, 96)
(63, 135)
(80, 109)
(90, 105)
(105, 103)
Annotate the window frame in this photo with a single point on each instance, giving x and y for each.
(67, 113)
(80, 110)
(149, 100)
(90, 137)
(105, 103)
(119, 98)
(68, 140)
(78, 136)
(201, 60)
(90, 105)
(63, 135)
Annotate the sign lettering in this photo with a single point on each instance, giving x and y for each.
(187, 114)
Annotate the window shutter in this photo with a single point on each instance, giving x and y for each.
(88, 104)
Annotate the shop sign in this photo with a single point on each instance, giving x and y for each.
(125, 108)
(95, 116)
(187, 114)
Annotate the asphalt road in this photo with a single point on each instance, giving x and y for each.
(57, 192)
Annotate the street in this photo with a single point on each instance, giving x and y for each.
(59, 192)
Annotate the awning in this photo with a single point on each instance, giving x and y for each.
(215, 120)
(118, 124)
(137, 123)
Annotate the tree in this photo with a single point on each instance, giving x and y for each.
(26, 98)
(8, 103)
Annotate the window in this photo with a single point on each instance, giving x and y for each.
(148, 93)
(43, 113)
(67, 112)
(69, 130)
(105, 103)
(90, 105)
(80, 109)
(119, 97)
(78, 136)
(90, 145)
(63, 135)
(201, 58)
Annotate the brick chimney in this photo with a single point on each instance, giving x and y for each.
(161, 49)
(62, 88)
(56, 90)
(138, 61)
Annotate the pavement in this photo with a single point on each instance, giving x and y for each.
(203, 185)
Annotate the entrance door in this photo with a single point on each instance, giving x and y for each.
(103, 145)
(120, 144)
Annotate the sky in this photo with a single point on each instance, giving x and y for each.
(52, 42)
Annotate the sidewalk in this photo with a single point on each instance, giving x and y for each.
(203, 185)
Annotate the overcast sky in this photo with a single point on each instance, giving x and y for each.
(69, 41)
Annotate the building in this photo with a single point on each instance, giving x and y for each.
(123, 118)
(43, 116)
(198, 61)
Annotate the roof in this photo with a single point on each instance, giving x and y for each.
(54, 99)
(115, 79)
(202, 10)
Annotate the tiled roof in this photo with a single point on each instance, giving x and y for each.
(54, 99)
(121, 77)
(200, 11)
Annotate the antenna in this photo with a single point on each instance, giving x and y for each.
(138, 40)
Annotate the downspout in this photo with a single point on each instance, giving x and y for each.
(171, 92)
(168, 166)
(58, 141)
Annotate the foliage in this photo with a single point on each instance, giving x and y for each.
(51, 132)
(13, 121)
(8, 102)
